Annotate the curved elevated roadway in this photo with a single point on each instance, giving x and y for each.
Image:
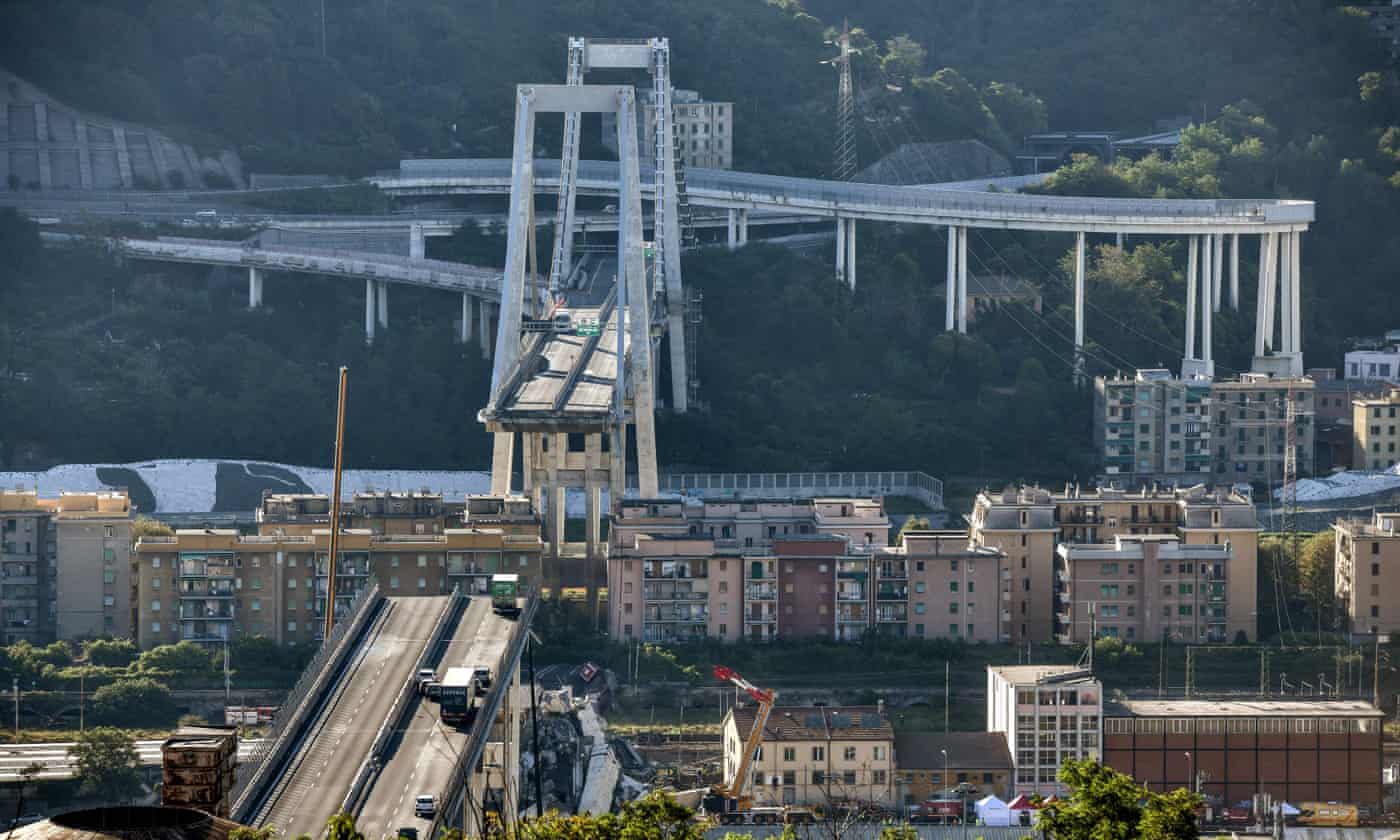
(320, 772)
(483, 283)
(425, 751)
(938, 204)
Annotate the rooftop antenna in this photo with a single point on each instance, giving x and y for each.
(844, 160)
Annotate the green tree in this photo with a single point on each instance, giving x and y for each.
(185, 659)
(106, 763)
(655, 816)
(133, 703)
(111, 653)
(1107, 805)
(267, 832)
(903, 59)
(144, 526)
(1315, 577)
(342, 827)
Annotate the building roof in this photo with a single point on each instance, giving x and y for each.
(818, 723)
(1028, 674)
(966, 750)
(1259, 707)
(128, 823)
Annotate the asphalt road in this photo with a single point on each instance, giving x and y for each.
(58, 765)
(321, 774)
(427, 750)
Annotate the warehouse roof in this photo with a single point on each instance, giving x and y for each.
(966, 750)
(1258, 707)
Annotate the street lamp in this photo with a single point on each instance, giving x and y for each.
(1190, 771)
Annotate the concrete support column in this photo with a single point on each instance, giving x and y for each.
(416, 246)
(617, 464)
(529, 456)
(123, 155)
(1079, 307)
(369, 311)
(464, 334)
(1210, 293)
(483, 327)
(840, 249)
(384, 303)
(80, 133)
(1295, 271)
(1118, 240)
(502, 456)
(1193, 259)
(255, 287)
(593, 510)
(962, 280)
(1285, 293)
(1235, 272)
(851, 253)
(558, 450)
(733, 240)
(1261, 298)
(743, 228)
(951, 286)
(1217, 262)
(1270, 267)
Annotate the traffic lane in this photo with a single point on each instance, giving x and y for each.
(482, 639)
(329, 769)
(424, 756)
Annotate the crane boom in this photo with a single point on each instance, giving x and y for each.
(765, 698)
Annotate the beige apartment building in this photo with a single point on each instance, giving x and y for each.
(704, 130)
(1367, 573)
(65, 569)
(1154, 587)
(1375, 429)
(1250, 428)
(794, 569)
(386, 512)
(213, 585)
(1046, 713)
(1028, 523)
(815, 755)
(1152, 427)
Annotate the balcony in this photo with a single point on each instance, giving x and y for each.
(850, 596)
(761, 613)
(761, 592)
(892, 592)
(650, 594)
(894, 570)
(892, 612)
(675, 616)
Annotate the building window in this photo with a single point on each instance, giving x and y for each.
(257, 605)
(879, 753)
(110, 601)
(819, 753)
(849, 754)
(394, 582)
(789, 754)
(291, 583)
(291, 627)
(422, 583)
(155, 626)
(155, 562)
(155, 606)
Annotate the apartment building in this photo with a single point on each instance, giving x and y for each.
(386, 512)
(1380, 364)
(1046, 713)
(1296, 749)
(794, 569)
(815, 755)
(1152, 427)
(1028, 524)
(1250, 426)
(704, 130)
(1367, 573)
(212, 585)
(64, 565)
(1154, 587)
(1375, 429)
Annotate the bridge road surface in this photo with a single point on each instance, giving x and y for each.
(423, 759)
(318, 777)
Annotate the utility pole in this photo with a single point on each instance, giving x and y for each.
(323, 28)
(947, 692)
(335, 504)
(226, 675)
(844, 160)
(16, 687)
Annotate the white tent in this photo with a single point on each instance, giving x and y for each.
(993, 811)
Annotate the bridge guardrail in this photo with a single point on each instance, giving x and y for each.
(485, 716)
(373, 763)
(302, 696)
(919, 485)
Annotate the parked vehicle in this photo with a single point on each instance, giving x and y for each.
(1328, 814)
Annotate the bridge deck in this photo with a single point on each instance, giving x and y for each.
(422, 759)
(932, 204)
(320, 773)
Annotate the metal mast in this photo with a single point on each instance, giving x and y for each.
(844, 161)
